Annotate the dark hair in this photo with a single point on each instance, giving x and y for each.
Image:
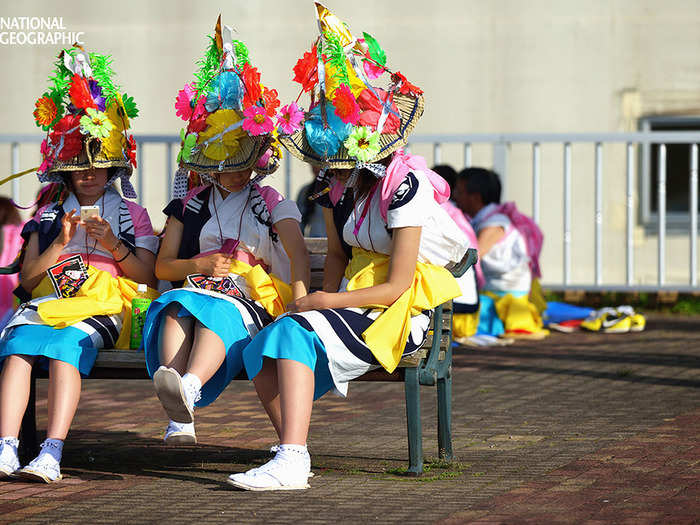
(8, 212)
(448, 173)
(484, 182)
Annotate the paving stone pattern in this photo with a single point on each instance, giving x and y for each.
(579, 428)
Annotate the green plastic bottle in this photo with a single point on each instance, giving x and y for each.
(139, 307)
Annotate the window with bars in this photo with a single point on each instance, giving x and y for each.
(678, 166)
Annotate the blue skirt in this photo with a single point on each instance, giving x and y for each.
(287, 339)
(70, 345)
(218, 315)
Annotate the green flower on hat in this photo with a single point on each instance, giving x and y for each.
(188, 144)
(363, 143)
(95, 123)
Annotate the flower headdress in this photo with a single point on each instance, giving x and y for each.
(229, 115)
(352, 122)
(86, 119)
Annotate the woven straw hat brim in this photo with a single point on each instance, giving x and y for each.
(83, 162)
(410, 108)
(245, 158)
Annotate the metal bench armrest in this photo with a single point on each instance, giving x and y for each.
(469, 260)
(9, 270)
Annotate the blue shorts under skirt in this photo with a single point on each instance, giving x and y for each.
(219, 316)
(287, 339)
(69, 344)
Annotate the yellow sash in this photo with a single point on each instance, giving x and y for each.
(387, 335)
(271, 292)
(101, 294)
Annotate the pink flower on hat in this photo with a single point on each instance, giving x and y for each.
(256, 121)
(290, 118)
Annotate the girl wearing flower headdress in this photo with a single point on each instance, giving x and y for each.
(78, 276)
(388, 243)
(231, 246)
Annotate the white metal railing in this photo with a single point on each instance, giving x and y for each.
(500, 144)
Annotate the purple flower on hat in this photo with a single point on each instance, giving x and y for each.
(96, 92)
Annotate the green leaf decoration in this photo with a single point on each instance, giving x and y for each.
(376, 52)
(188, 144)
(333, 49)
(130, 106)
(241, 52)
(208, 66)
(103, 73)
(60, 83)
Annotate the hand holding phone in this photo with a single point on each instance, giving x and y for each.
(88, 212)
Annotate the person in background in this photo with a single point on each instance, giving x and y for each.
(312, 224)
(509, 247)
(10, 245)
(465, 319)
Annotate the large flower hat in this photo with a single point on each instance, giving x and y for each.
(86, 118)
(360, 110)
(229, 114)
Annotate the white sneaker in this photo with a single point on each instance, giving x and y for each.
(180, 434)
(42, 468)
(9, 462)
(283, 472)
(168, 385)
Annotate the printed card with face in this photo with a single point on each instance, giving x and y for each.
(222, 285)
(68, 276)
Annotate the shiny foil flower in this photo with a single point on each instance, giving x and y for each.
(271, 101)
(189, 141)
(306, 70)
(251, 82)
(66, 139)
(219, 141)
(363, 143)
(79, 93)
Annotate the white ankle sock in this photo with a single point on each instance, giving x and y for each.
(52, 447)
(10, 441)
(192, 386)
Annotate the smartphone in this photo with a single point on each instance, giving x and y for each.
(87, 212)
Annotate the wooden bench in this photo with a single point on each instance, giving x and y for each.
(431, 365)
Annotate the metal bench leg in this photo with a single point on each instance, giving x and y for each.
(415, 433)
(29, 445)
(444, 395)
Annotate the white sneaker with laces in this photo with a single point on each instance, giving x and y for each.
(42, 468)
(286, 471)
(170, 390)
(180, 434)
(9, 461)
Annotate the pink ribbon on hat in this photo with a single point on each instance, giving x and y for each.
(400, 165)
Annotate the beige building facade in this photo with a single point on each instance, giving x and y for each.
(492, 66)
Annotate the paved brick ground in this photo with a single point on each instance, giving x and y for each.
(582, 428)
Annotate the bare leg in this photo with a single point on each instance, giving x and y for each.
(64, 394)
(296, 386)
(14, 392)
(176, 339)
(208, 352)
(269, 393)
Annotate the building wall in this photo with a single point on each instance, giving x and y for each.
(495, 66)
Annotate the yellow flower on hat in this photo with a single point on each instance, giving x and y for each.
(218, 143)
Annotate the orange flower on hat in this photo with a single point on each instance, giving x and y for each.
(306, 70)
(271, 101)
(251, 82)
(345, 105)
(45, 112)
